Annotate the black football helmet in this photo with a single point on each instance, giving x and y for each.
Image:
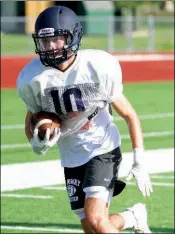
(54, 22)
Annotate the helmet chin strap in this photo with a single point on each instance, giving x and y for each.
(57, 67)
(55, 62)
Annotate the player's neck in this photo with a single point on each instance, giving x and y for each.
(64, 66)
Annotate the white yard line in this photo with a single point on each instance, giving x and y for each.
(152, 116)
(151, 134)
(155, 183)
(124, 137)
(142, 117)
(25, 196)
(12, 127)
(50, 173)
(14, 146)
(162, 177)
(59, 230)
(30, 175)
(54, 188)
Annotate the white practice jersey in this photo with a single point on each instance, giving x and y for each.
(92, 82)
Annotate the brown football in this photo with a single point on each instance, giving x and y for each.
(42, 129)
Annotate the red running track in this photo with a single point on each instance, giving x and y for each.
(133, 71)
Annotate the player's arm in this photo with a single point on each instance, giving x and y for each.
(28, 132)
(124, 108)
(25, 93)
(113, 87)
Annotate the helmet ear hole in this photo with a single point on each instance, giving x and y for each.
(79, 36)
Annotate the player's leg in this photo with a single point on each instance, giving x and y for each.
(98, 219)
(74, 178)
(116, 219)
(134, 217)
(100, 179)
(97, 216)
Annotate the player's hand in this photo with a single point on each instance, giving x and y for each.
(42, 146)
(139, 171)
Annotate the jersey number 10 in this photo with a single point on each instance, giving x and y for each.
(71, 99)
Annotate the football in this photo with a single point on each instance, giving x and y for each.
(50, 120)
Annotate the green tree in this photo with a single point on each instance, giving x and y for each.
(132, 7)
(135, 4)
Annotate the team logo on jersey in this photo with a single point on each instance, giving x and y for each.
(46, 32)
(71, 190)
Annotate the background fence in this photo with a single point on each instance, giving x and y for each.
(118, 34)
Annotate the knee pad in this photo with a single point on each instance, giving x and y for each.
(80, 213)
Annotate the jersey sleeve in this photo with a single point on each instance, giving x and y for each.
(26, 94)
(113, 80)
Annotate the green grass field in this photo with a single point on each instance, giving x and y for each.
(55, 213)
(23, 44)
(153, 103)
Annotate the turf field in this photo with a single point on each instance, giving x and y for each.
(46, 209)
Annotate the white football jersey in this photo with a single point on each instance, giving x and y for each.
(92, 82)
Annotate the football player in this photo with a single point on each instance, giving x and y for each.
(78, 86)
